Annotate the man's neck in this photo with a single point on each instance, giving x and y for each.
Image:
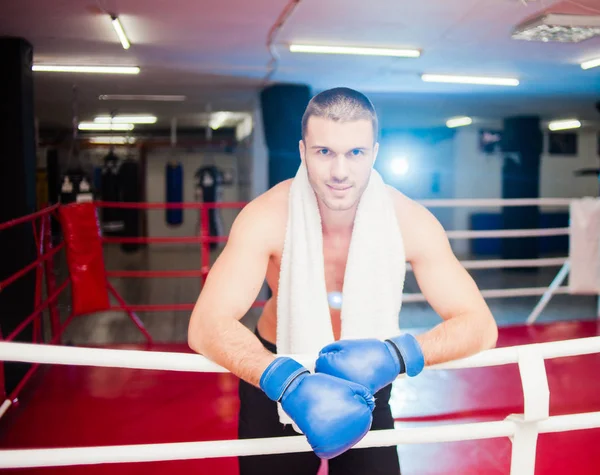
(336, 223)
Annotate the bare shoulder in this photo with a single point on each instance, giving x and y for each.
(421, 230)
(265, 217)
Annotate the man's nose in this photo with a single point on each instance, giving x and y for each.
(339, 168)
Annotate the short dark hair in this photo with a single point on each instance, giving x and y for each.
(341, 104)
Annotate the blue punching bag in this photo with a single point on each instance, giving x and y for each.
(174, 177)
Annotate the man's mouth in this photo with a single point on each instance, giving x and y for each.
(339, 188)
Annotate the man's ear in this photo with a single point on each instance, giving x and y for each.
(302, 147)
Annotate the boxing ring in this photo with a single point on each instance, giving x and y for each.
(527, 365)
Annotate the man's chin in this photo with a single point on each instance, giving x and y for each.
(344, 205)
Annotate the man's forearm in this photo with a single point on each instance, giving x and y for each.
(231, 345)
(458, 337)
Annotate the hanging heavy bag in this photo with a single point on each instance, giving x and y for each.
(129, 184)
(112, 218)
(209, 181)
(174, 193)
(85, 258)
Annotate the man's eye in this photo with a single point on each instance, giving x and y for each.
(324, 151)
(356, 152)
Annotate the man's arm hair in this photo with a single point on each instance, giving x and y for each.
(230, 289)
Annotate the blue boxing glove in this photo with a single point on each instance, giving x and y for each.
(333, 414)
(370, 362)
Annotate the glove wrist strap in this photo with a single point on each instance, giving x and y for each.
(279, 375)
(410, 354)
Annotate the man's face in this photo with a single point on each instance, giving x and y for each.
(339, 158)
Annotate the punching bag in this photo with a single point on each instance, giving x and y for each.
(209, 180)
(97, 178)
(174, 177)
(522, 149)
(85, 258)
(283, 106)
(112, 218)
(129, 183)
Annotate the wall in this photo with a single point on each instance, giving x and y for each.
(191, 161)
(557, 179)
(157, 160)
(478, 175)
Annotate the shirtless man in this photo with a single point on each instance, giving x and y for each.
(339, 147)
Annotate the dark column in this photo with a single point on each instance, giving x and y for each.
(17, 189)
(282, 108)
(522, 147)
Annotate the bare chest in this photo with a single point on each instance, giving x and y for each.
(335, 257)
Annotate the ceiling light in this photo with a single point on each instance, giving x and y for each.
(141, 97)
(120, 32)
(218, 119)
(111, 140)
(126, 119)
(592, 63)
(558, 27)
(491, 81)
(95, 126)
(405, 53)
(458, 122)
(87, 69)
(564, 124)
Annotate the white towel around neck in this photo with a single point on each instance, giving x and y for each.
(373, 280)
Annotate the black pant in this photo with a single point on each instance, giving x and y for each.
(258, 418)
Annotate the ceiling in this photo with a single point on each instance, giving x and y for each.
(215, 53)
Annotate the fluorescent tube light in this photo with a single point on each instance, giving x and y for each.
(564, 124)
(95, 126)
(458, 122)
(120, 32)
(491, 81)
(363, 51)
(86, 69)
(592, 63)
(218, 119)
(126, 119)
(111, 140)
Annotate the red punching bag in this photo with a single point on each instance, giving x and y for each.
(85, 258)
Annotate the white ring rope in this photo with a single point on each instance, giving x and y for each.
(498, 293)
(507, 233)
(171, 361)
(278, 445)
(495, 202)
(508, 263)
(27, 352)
